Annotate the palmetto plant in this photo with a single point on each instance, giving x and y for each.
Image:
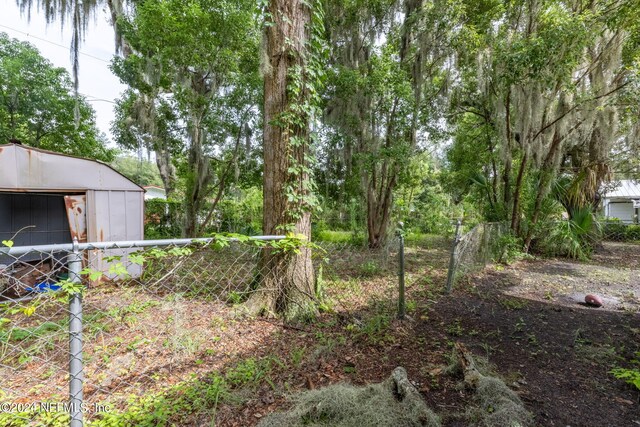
(575, 237)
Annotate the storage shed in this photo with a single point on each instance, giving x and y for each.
(49, 198)
(623, 201)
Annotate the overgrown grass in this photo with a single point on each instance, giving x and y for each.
(422, 239)
(179, 404)
(336, 236)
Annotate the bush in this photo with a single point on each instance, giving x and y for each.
(614, 229)
(162, 219)
(573, 238)
(509, 249)
(240, 212)
(632, 232)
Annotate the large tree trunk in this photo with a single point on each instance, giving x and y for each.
(198, 179)
(506, 175)
(515, 216)
(166, 169)
(379, 203)
(286, 285)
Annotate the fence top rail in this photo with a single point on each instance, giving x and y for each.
(125, 244)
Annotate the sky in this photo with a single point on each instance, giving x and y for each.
(97, 83)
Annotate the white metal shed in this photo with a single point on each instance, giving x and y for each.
(48, 198)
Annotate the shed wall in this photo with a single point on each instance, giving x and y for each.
(114, 216)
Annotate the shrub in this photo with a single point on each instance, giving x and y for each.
(573, 238)
(509, 248)
(162, 218)
(614, 229)
(632, 232)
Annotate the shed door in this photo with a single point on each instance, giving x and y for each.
(34, 219)
(76, 213)
(622, 210)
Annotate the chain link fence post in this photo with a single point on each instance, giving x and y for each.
(452, 262)
(401, 298)
(75, 340)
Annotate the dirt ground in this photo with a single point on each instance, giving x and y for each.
(554, 351)
(525, 319)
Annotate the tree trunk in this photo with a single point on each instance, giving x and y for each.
(166, 169)
(197, 179)
(506, 175)
(286, 285)
(546, 175)
(515, 217)
(379, 203)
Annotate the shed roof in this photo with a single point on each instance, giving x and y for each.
(626, 188)
(31, 169)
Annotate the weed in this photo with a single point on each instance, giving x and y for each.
(488, 349)
(520, 325)
(327, 344)
(411, 306)
(629, 375)
(234, 297)
(334, 236)
(375, 329)
(128, 314)
(137, 343)
(579, 338)
(455, 329)
(24, 334)
(513, 304)
(349, 369)
(370, 268)
(182, 338)
(249, 371)
(217, 322)
(511, 249)
(597, 353)
(297, 355)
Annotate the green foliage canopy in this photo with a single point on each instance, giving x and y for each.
(37, 105)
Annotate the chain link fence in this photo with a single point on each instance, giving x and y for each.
(151, 314)
(618, 231)
(474, 250)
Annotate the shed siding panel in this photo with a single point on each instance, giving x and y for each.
(92, 233)
(102, 216)
(117, 216)
(134, 203)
